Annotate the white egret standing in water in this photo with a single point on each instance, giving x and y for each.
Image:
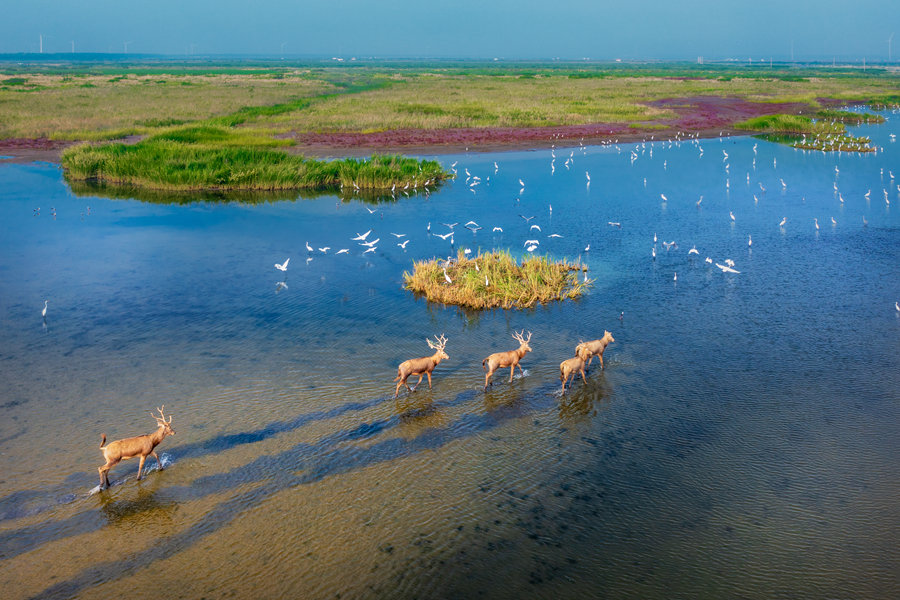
(44, 312)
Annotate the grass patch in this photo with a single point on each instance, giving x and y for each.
(201, 159)
(822, 134)
(848, 117)
(511, 284)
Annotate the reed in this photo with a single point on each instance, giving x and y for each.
(511, 284)
(204, 158)
(825, 134)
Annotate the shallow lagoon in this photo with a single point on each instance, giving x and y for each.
(742, 441)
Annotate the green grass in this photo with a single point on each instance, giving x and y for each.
(511, 284)
(209, 158)
(823, 134)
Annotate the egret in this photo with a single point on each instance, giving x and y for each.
(729, 262)
(653, 251)
(428, 229)
(371, 210)
(444, 237)
(588, 248)
(373, 242)
(486, 282)
(282, 267)
(783, 184)
(588, 176)
(398, 235)
(531, 242)
(761, 187)
(841, 197)
(554, 235)
(675, 278)
(308, 247)
(700, 200)
(500, 229)
(663, 196)
(865, 223)
(836, 170)
(835, 187)
(726, 269)
(403, 245)
(526, 218)
(654, 238)
(783, 221)
(44, 312)
(585, 277)
(749, 240)
(343, 251)
(817, 224)
(538, 227)
(693, 250)
(372, 249)
(867, 194)
(731, 214)
(897, 306)
(708, 260)
(522, 183)
(833, 222)
(619, 225)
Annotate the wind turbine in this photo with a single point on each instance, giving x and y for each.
(73, 46)
(41, 36)
(889, 47)
(282, 50)
(192, 47)
(126, 46)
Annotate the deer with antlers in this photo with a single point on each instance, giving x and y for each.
(510, 359)
(421, 366)
(573, 366)
(142, 445)
(596, 348)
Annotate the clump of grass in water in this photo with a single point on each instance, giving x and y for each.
(822, 134)
(216, 158)
(536, 280)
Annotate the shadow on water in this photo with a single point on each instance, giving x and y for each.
(300, 465)
(98, 189)
(313, 462)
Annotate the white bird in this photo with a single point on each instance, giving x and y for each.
(428, 229)
(495, 167)
(554, 235)
(833, 222)
(835, 187)
(538, 227)
(44, 312)
(726, 156)
(708, 260)
(749, 240)
(361, 237)
(398, 235)
(486, 282)
(761, 187)
(500, 229)
(445, 236)
(726, 269)
(700, 200)
(532, 242)
(774, 162)
(522, 183)
(325, 249)
(467, 252)
(693, 250)
(371, 210)
(867, 194)
(817, 223)
(282, 267)
(663, 196)
(588, 248)
(755, 199)
(373, 249)
(585, 277)
(308, 247)
(370, 244)
(836, 170)
(731, 214)
(619, 225)
(588, 176)
(343, 251)
(675, 278)
(897, 306)
(783, 221)
(841, 197)
(403, 245)
(783, 184)
(476, 268)
(531, 248)
(654, 238)
(653, 251)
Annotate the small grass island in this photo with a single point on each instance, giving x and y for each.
(496, 280)
(825, 130)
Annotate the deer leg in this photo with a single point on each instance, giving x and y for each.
(582, 376)
(158, 462)
(429, 380)
(104, 480)
(397, 392)
(512, 371)
(141, 466)
(600, 356)
(520, 369)
(419, 381)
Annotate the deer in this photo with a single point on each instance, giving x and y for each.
(421, 366)
(510, 359)
(573, 366)
(596, 348)
(142, 445)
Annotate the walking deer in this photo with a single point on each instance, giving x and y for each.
(596, 348)
(142, 445)
(421, 366)
(573, 366)
(509, 359)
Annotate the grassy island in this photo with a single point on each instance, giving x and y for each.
(825, 131)
(220, 158)
(499, 281)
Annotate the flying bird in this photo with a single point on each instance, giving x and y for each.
(526, 218)
(325, 249)
(371, 210)
(445, 236)
(532, 242)
(500, 229)
(370, 244)
(363, 236)
(343, 251)
(693, 250)
(403, 245)
(284, 266)
(708, 260)
(538, 227)
(726, 269)
(373, 249)
(619, 225)
(398, 235)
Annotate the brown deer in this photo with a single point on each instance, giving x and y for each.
(573, 366)
(596, 348)
(142, 445)
(510, 359)
(421, 366)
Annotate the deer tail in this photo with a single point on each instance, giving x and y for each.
(482, 365)
(102, 440)
(397, 378)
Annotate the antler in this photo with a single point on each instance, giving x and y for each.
(161, 418)
(441, 342)
(519, 337)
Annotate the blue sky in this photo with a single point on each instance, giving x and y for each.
(644, 29)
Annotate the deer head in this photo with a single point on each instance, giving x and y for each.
(519, 337)
(608, 336)
(438, 345)
(161, 421)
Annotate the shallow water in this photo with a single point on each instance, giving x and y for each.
(741, 442)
